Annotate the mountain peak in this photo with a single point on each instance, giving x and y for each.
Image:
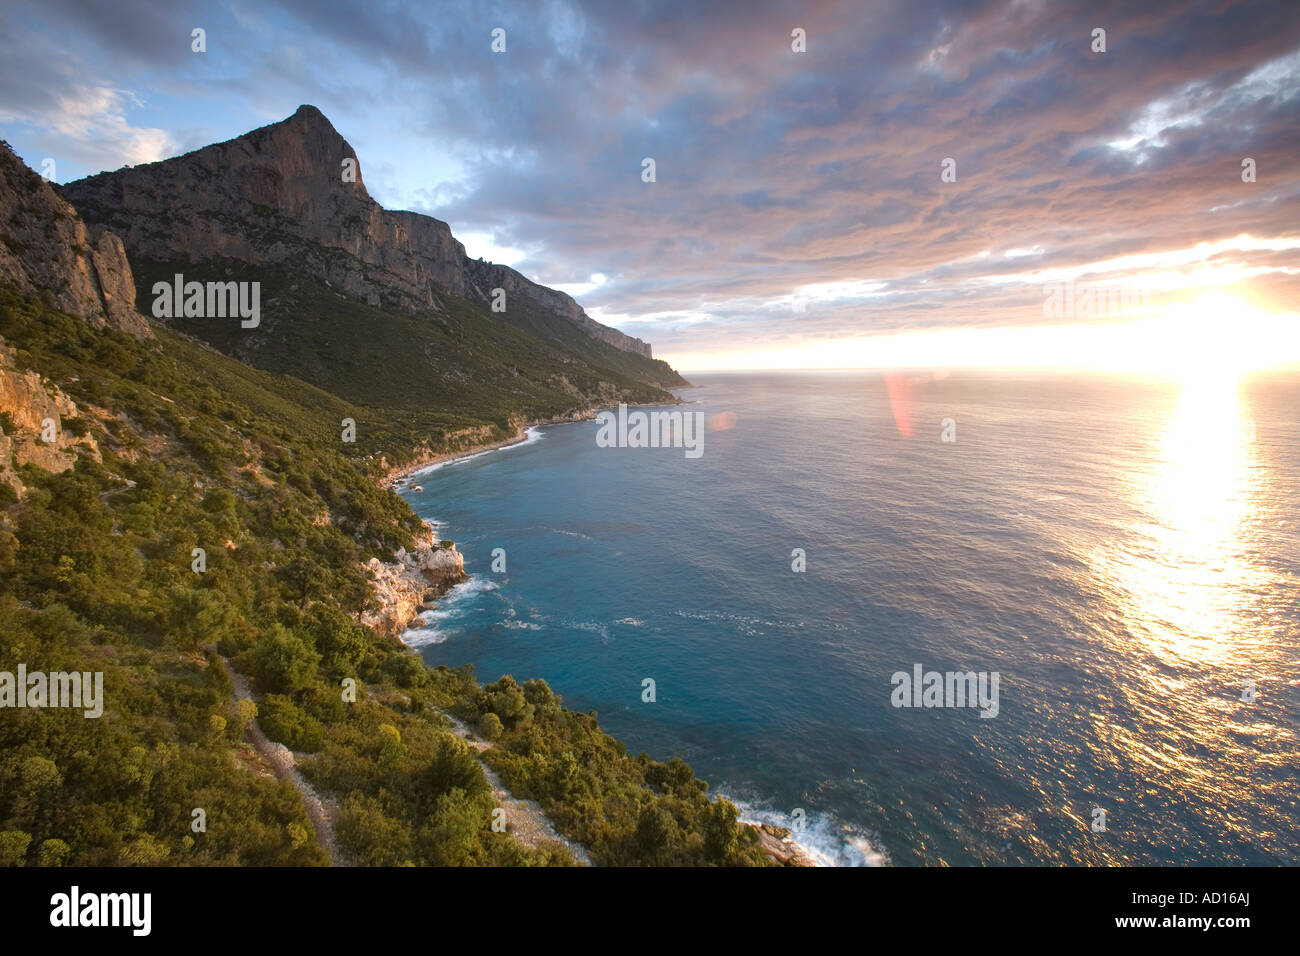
(307, 138)
(285, 193)
(309, 117)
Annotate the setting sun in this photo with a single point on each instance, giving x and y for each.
(1215, 335)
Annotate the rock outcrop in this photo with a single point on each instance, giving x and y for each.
(293, 192)
(45, 247)
(406, 586)
(777, 843)
(33, 410)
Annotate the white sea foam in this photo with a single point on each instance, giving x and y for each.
(756, 626)
(417, 637)
(593, 627)
(824, 839)
(429, 630)
(467, 590)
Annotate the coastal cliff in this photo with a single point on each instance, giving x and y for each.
(196, 450)
(404, 587)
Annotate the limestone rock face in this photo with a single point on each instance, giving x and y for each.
(293, 193)
(405, 586)
(30, 402)
(438, 566)
(116, 286)
(45, 247)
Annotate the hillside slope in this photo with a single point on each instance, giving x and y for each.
(208, 509)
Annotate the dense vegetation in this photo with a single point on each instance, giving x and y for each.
(594, 793)
(201, 451)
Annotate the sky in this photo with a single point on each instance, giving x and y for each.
(922, 184)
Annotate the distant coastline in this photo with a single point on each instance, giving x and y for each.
(400, 473)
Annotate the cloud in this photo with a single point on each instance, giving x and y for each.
(776, 171)
(94, 120)
(88, 126)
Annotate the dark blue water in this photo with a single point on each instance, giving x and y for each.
(1123, 555)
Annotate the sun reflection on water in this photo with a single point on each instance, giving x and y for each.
(1189, 592)
(1189, 620)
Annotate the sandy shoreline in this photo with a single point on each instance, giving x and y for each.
(406, 471)
(403, 472)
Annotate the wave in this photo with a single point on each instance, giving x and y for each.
(418, 637)
(593, 627)
(429, 631)
(755, 626)
(514, 625)
(824, 838)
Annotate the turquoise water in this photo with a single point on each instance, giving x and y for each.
(1122, 555)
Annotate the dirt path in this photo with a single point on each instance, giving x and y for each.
(281, 760)
(525, 820)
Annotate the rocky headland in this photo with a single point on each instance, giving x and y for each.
(408, 585)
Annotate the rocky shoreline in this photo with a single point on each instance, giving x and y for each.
(410, 584)
(395, 474)
(777, 843)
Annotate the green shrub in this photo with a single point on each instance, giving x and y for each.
(282, 661)
(282, 721)
(13, 847)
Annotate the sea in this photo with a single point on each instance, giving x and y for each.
(804, 608)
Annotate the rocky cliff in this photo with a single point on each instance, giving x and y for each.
(293, 192)
(45, 246)
(406, 586)
(34, 410)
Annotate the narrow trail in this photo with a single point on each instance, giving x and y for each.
(281, 760)
(525, 820)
